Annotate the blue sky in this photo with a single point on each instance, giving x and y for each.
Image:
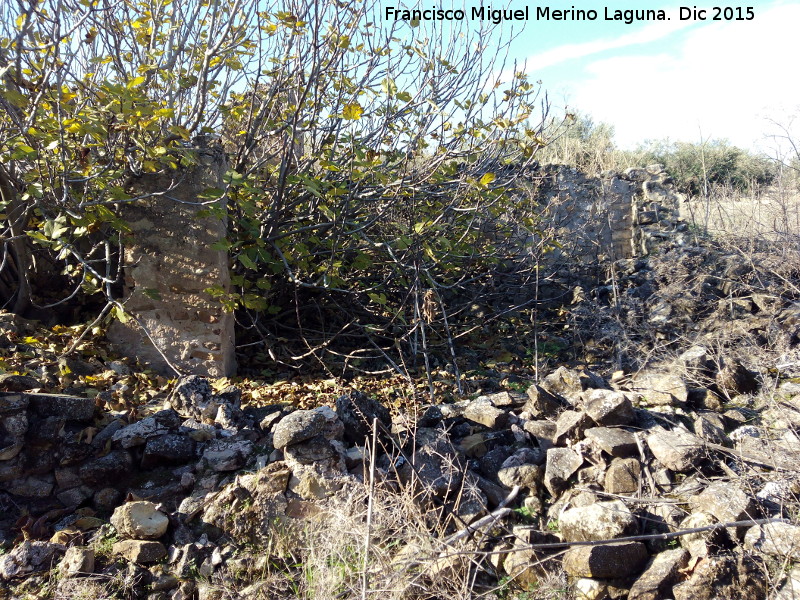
(673, 79)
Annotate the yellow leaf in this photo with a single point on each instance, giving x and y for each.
(353, 111)
(487, 179)
(135, 82)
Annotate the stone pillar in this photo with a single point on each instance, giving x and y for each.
(168, 264)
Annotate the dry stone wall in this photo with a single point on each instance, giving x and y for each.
(608, 217)
(169, 262)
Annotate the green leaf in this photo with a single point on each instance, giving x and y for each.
(152, 293)
(248, 262)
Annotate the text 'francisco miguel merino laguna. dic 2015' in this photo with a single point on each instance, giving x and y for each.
(539, 13)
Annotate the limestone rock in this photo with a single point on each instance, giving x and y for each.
(599, 521)
(228, 455)
(29, 557)
(661, 388)
(156, 425)
(561, 464)
(677, 450)
(725, 576)
(297, 427)
(484, 413)
(543, 404)
(608, 408)
(108, 468)
(78, 560)
(167, 449)
(139, 520)
(607, 561)
(776, 539)
(660, 575)
(623, 476)
(613, 441)
(140, 551)
(570, 426)
(357, 411)
(248, 508)
(726, 502)
(70, 408)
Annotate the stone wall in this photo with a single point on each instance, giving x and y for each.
(169, 262)
(608, 217)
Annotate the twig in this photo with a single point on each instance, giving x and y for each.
(365, 583)
(495, 515)
(654, 536)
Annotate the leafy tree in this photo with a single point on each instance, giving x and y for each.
(370, 196)
(699, 167)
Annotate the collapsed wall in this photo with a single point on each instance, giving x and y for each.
(170, 260)
(597, 219)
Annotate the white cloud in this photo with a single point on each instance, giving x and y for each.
(645, 35)
(723, 79)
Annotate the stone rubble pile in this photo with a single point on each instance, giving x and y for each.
(169, 500)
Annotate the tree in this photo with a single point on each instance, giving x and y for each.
(369, 159)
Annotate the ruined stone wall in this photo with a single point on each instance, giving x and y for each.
(169, 262)
(608, 217)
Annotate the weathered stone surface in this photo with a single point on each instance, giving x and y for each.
(701, 543)
(570, 426)
(228, 455)
(78, 560)
(561, 464)
(138, 433)
(608, 408)
(32, 486)
(661, 574)
(709, 431)
(613, 441)
(13, 403)
(139, 520)
(543, 404)
(726, 502)
(660, 388)
(734, 378)
(310, 451)
(29, 557)
(725, 576)
(564, 382)
(484, 413)
(10, 382)
(790, 588)
(140, 551)
(527, 476)
(437, 468)
(299, 426)
(357, 411)
(170, 260)
(776, 539)
(599, 521)
(168, 449)
(677, 450)
(65, 407)
(106, 468)
(607, 561)
(623, 476)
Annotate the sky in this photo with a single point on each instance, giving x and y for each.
(682, 80)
